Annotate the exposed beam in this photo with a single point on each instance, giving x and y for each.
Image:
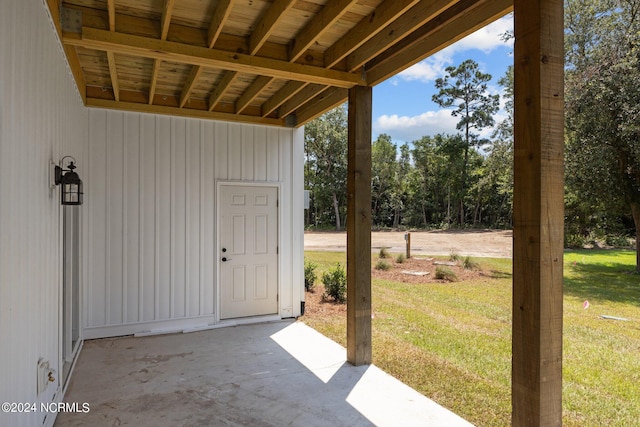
(267, 24)
(54, 11)
(154, 79)
(222, 86)
(366, 29)
(70, 51)
(76, 70)
(300, 98)
(182, 112)
(252, 92)
(111, 9)
(328, 15)
(170, 51)
(165, 22)
(111, 57)
(435, 36)
(220, 16)
(359, 227)
(186, 35)
(113, 72)
(327, 100)
(167, 12)
(538, 213)
(283, 95)
(416, 17)
(190, 84)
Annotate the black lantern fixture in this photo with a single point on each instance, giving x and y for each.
(71, 193)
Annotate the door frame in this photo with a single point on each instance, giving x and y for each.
(218, 248)
(66, 361)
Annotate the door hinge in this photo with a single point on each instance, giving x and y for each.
(277, 250)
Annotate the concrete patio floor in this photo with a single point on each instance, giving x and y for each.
(270, 374)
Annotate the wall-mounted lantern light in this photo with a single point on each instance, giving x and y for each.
(71, 193)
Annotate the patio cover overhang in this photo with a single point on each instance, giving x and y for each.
(285, 62)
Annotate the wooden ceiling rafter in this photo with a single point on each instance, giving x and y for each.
(267, 24)
(416, 17)
(328, 15)
(165, 22)
(257, 39)
(128, 44)
(111, 57)
(378, 55)
(252, 92)
(302, 97)
(181, 112)
(324, 101)
(283, 95)
(221, 87)
(113, 73)
(195, 72)
(437, 34)
(278, 61)
(377, 21)
(404, 23)
(111, 11)
(220, 16)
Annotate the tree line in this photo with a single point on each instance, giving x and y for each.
(439, 181)
(462, 180)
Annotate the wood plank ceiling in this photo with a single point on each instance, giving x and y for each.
(276, 62)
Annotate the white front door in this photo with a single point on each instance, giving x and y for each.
(248, 251)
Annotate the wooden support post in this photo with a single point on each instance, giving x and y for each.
(359, 227)
(538, 214)
(407, 238)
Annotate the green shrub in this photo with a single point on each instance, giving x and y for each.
(454, 257)
(617, 241)
(574, 241)
(382, 265)
(400, 258)
(384, 253)
(444, 273)
(310, 275)
(469, 264)
(335, 284)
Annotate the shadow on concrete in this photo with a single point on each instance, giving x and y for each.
(270, 374)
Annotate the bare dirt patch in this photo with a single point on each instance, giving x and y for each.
(476, 243)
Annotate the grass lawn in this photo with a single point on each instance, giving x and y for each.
(452, 341)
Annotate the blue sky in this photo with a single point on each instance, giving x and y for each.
(402, 105)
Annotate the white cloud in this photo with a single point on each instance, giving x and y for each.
(429, 69)
(405, 128)
(485, 39)
(429, 123)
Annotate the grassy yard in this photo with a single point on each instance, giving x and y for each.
(452, 341)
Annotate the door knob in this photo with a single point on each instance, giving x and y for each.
(225, 259)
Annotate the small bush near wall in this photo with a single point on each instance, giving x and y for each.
(310, 275)
(383, 265)
(469, 264)
(444, 273)
(335, 284)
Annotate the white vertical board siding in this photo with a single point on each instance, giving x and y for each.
(152, 236)
(41, 119)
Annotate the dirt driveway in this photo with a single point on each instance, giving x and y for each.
(478, 243)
